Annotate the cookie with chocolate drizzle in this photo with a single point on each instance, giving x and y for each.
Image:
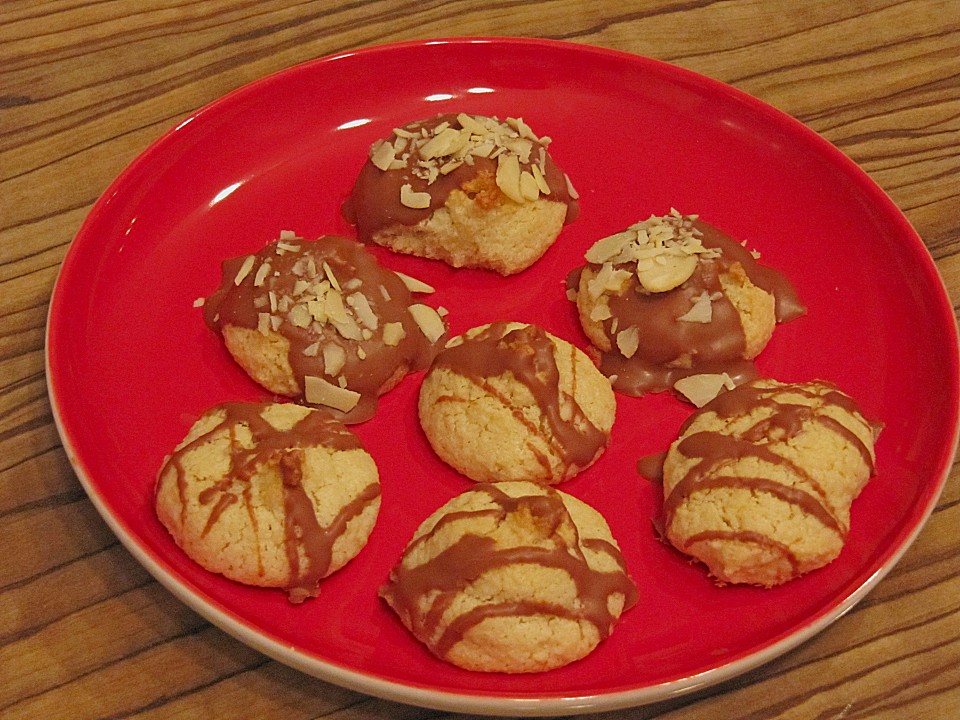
(509, 401)
(466, 189)
(759, 484)
(511, 577)
(322, 320)
(272, 495)
(674, 303)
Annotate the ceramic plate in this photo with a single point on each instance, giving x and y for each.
(131, 364)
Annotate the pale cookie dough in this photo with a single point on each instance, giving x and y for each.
(673, 299)
(511, 577)
(466, 189)
(322, 320)
(272, 495)
(759, 484)
(509, 401)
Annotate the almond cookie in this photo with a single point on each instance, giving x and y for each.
(509, 401)
(674, 299)
(513, 577)
(322, 320)
(272, 495)
(466, 189)
(759, 484)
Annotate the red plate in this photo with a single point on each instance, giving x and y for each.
(131, 364)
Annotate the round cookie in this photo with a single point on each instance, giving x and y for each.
(273, 495)
(759, 484)
(466, 189)
(509, 401)
(322, 320)
(511, 577)
(672, 297)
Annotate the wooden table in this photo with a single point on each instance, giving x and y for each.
(85, 86)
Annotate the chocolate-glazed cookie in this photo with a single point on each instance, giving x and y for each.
(672, 298)
(322, 320)
(466, 189)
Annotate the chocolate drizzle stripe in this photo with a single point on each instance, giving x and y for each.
(457, 629)
(745, 536)
(792, 495)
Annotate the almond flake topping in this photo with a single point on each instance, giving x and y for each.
(701, 389)
(431, 152)
(665, 250)
(702, 309)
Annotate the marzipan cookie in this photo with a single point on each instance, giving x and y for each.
(466, 189)
(509, 401)
(511, 577)
(759, 484)
(322, 320)
(273, 495)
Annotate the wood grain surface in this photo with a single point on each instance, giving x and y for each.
(85, 86)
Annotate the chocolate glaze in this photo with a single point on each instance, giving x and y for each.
(527, 353)
(374, 203)
(308, 545)
(241, 305)
(452, 570)
(713, 347)
(714, 450)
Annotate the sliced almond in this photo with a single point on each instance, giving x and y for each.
(328, 271)
(393, 333)
(318, 391)
(571, 190)
(701, 311)
(609, 247)
(429, 321)
(244, 270)
(261, 275)
(673, 271)
(299, 316)
(528, 186)
(628, 341)
(348, 328)
(413, 199)
(541, 179)
(607, 279)
(413, 285)
(365, 314)
(446, 142)
(334, 358)
(469, 123)
(333, 305)
(508, 177)
(383, 154)
(701, 389)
